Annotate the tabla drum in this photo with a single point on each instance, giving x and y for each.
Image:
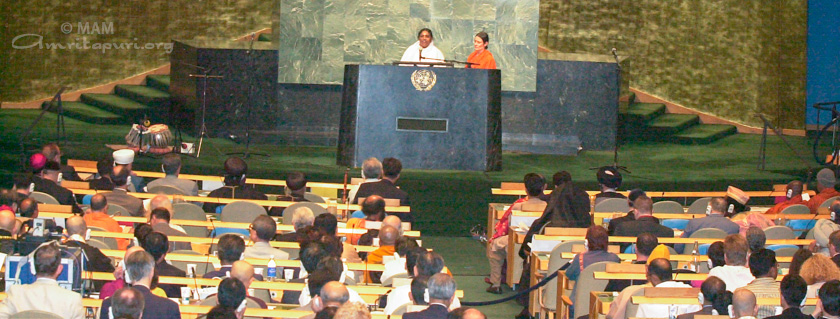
(133, 137)
(157, 139)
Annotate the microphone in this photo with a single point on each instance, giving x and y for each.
(615, 53)
(420, 55)
(251, 44)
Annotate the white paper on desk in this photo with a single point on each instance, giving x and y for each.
(211, 185)
(61, 222)
(543, 245)
(373, 225)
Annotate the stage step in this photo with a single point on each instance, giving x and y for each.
(129, 109)
(669, 124)
(643, 112)
(158, 81)
(264, 37)
(147, 95)
(87, 113)
(704, 133)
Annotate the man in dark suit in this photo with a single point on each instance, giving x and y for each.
(159, 219)
(441, 292)
(793, 290)
(104, 168)
(140, 267)
(644, 222)
(609, 180)
(391, 168)
(97, 261)
(230, 249)
(634, 194)
(834, 246)
(157, 244)
(295, 191)
(53, 153)
(47, 182)
(235, 170)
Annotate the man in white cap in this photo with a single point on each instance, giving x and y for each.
(120, 196)
(125, 158)
(825, 189)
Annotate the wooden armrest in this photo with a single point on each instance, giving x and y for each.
(566, 300)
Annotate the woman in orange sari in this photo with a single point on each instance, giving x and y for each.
(481, 58)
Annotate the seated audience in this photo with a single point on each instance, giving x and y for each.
(645, 244)
(631, 215)
(261, 231)
(97, 216)
(417, 295)
(333, 270)
(764, 268)
(568, 206)
(244, 272)
(387, 239)
(127, 303)
(159, 219)
(816, 271)
(124, 159)
(327, 224)
(371, 172)
(466, 313)
(735, 273)
(230, 249)
(314, 284)
(156, 244)
(755, 219)
(755, 239)
(333, 295)
(295, 190)
(828, 305)
(374, 209)
(618, 307)
(716, 255)
(46, 181)
(609, 180)
(302, 218)
(353, 310)
(744, 304)
(715, 219)
(53, 153)
(7, 232)
(391, 168)
(736, 201)
(172, 167)
(497, 247)
(28, 208)
(799, 258)
(231, 298)
(825, 227)
(235, 170)
(441, 293)
(644, 222)
(711, 289)
(425, 264)
(310, 254)
(825, 189)
(120, 196)
(104, 170)
(139, 267)
(596, 251)
(793, 289)
(120, 281)
(793, 196)
(62, 302)
(397, 266)
(96, 260)
(660, 274)
(834, 247)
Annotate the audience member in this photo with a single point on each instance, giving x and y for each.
(828, 305)
(310, 254)
(261, 231)
(373, 208)
(753, 219)
(47, 182)
(333, 294)
(631, 215)
(294, 192)
(156, 244)
(327, 224)
(568, 206)
(660, 274)
(755, 239)
(62, 302)
(127, 303)
(735, 274)
(644, 222)
(124, 159)
(834, 247)
(104, 170)
(793, 196)
(7, 232)
(371, 172)
(715, 219)
(387, 238)
(764, 268)
(159, 219)
(711, 289)
(96, 260)
(235, 170)
(302, 218)
(441, 293)
(497, 247)
(825, 227)
(139, 268)
(353, 310)
(417, 295)
(825, 189)
(793, 289)
(28, 208)
(53, 153)
(466, 313)
(744, 304)
(716, 255)
(244, 271)
(172, 168)
(609, 180)
(329, 269)
(120, 196)
(386, 187)
(736, 201)
(97, 216)
(398, 265)
(230, 249)
(799, 258)
(231, 300)
(645, 244)
(818, 270)
(425, 264)
(596, 242)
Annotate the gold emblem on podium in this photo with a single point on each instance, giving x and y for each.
(423, 80)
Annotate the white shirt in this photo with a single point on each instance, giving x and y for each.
(44, 294)
(394, 267)
(734, 276)
(305, 298)
(412, 54)
(399, 297)
(663, 311)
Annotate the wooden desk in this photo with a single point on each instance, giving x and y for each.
(642, 300)
(641, 276)
(655, 194)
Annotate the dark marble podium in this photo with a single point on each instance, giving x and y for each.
(456, 124)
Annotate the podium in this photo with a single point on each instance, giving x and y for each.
(428, 118)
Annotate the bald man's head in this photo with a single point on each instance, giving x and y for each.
(76, 226)
(7, 220)
(388, 235)
(743, 303)
(373, 207)
(393, 221)
(131, 250)
(98, 203)
(334, 294)
(243, 271)
(160, 201)
(28, 208)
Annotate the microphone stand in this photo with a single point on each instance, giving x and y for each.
(618, 101)
(447, 61)
(247, 153)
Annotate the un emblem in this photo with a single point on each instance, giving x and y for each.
(423, 80)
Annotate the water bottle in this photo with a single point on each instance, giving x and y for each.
(695, 266)
(271, 272)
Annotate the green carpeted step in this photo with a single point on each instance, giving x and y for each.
(668, 124)
(264, 37)
(87, 113)
(704, 133)
(158, 81)
(147, 95)
(122, 106)
(643, 112)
